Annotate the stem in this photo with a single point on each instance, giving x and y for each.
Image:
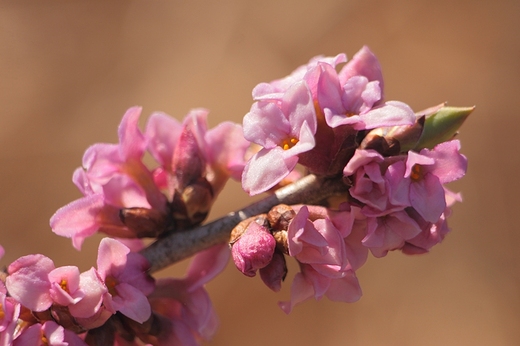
(179, 245)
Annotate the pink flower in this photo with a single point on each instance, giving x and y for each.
(354, 96)
(28, 281)
(183, 306)
(389, 232)
(321, 252)
(218, 152)
(125, 277)
(309, 283)
(112, 177)
(9, 312)
(284, 130)
(48, 333)
(428, 170)
(309, 73)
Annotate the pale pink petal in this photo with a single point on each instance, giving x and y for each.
(93, 290)
(346, 289)
(266, 169)
(132, 141)
(206, 265)
(78, 219)
(162, 133)
(28, 281)
(301, 290)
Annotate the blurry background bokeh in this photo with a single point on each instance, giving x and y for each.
(70, 69)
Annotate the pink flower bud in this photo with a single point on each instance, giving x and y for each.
(254, 249)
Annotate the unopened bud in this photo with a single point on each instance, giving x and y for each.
(192, 204)
(144, 222)
(275, 272)
(442, 126)
(394, 140)
(254, 249)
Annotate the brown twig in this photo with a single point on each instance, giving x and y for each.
(180, 245)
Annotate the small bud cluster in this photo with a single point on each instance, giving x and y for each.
(394, 165)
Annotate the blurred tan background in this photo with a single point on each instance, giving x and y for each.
(70, 69)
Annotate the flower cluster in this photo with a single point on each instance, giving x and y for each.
(393, 164)
(119, 302)
(379, 169)
(124, 198)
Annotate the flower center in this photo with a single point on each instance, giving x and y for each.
(417, 172)
(288, 143)
(111, 284)
(64, 286)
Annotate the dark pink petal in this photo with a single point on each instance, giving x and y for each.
(28, 281)
(254, 249)
(78, 219)
(274, 273)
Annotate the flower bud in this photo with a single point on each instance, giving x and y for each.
(144, 222)
(253, 249)
(394, 140)
(442, 126)
(192, 204)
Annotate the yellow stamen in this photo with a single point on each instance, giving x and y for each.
(288, 143)
(111, 284)
(64, 285)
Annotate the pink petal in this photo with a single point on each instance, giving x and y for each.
(162, 133)
(28, 281)
(132, 303)
(266, 169)
(206, 265)
(78, 219)
(132, 141)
